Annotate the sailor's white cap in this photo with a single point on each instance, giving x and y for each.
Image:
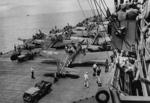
(94, 65)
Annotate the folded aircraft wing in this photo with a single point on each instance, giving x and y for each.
(91, 58)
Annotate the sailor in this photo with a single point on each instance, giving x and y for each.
(19, 49)
(99, 83)
(98, 71)
(122, 58)
(132, 12)
(132, 53)
(1, 53)
(134, 75)
(72, 48)
(121, 65)
(123, 53)
(86, 80)
(55, 78)
(115, 53)
(15, 48)
(106, 66)
(55, 27)
(66, 48)
(32, 73)
(118, 53)
(127, 4)
(40, 32)
(122, 13)
(136, 4)
(94, 69)
(136, 84)
(112, 58)
(129, 71)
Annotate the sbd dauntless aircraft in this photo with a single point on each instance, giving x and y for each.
(73, 57)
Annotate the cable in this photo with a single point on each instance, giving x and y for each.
(81, 8)
(96, 8)
(103, 5)
(106, 16)
(91, 7)
(128, 46)
(103, 14)
(96, 3)
(106, 9)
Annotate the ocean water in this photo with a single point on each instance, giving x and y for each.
(13, 27)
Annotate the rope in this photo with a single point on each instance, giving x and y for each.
(96, 3)
(81, 8)
(101, 21)
(106, 9)
(103, 14)
(145, 22)
(103, 4)
(96, 7)
(91, 7)
(127, 43)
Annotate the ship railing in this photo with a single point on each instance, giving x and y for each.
(117, 83)
(115, 77)
(143, 66)
(125, 87)
(142, 74)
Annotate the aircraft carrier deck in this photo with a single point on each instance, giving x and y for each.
(16, 78)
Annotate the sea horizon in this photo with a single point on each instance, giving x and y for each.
(24, 26)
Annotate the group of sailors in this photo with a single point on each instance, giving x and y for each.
(96, 73)
(128, 4)
(127, 11)
(128, 71)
